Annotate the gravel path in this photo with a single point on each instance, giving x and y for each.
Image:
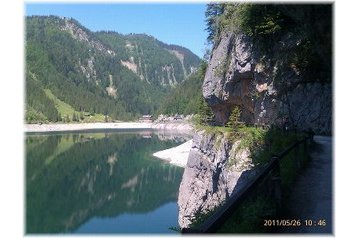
(311, 197)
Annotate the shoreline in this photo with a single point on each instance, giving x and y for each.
(29, 128)
(176, 155)
(85, 126)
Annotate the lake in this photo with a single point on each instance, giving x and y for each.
(101, 182)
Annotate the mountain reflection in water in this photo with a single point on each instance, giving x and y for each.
(77, 181)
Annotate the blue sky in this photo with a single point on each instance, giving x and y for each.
(173, 23)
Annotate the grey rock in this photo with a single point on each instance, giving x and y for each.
(209, 178)
(228, 77)
(240, 74)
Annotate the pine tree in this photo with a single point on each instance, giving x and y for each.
(67, 118)
(212, 13)
(74, 117)
(206, 115)
(234, 119)
(82, 116)
(59, 117)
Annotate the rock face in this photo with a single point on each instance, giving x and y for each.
(81, 35)
(240, 74)
(211, 175)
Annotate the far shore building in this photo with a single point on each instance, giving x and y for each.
(146, 118)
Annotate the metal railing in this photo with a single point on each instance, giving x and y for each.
(219, 217)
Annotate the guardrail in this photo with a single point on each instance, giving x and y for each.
(272, 169)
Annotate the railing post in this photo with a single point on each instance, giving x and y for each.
(276, 179)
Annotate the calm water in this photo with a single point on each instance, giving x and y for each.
(100, 183)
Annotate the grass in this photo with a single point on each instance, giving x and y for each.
(213, 129)
(67, 110)
(62, 107)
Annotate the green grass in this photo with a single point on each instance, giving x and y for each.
(213, 129)
(62, 107)
(67, 110)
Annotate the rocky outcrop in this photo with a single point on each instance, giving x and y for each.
(80, 34)
(264, 87)
(216, 168)
(88, 68)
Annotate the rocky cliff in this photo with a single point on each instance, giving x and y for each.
(216, 168)
(264, 86)
(277, 69)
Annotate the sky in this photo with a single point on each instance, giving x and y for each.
(172, 23)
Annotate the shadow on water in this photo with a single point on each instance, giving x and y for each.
(72, 178)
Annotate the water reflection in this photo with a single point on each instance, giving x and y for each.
(73, 179)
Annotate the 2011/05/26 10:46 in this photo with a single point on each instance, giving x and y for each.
(294, 222)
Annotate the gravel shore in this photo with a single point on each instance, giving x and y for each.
(177, 155)
(99, 125)
(85, 126)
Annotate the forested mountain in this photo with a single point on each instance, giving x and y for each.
(73, 74)
(187, 97)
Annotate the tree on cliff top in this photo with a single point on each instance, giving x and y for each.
(212, 13)
(206, 115)
(234, 119)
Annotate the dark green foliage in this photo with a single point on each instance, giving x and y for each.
(75, 117)
(67, 119)
(82, 116)
(40, 107)
(234, 119)
(33, 116)
(52, 57)
(212, 14)
(185, 98)
(206, 115)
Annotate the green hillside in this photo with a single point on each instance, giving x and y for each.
(185, 99)
(73, 74)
